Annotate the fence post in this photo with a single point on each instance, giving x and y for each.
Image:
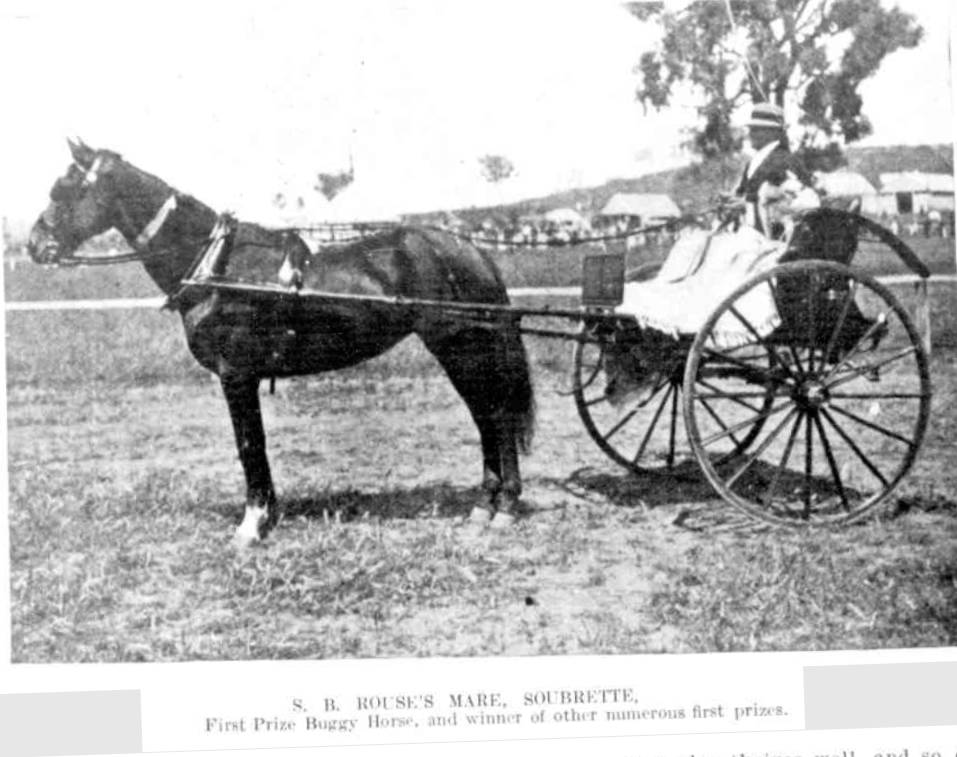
(923, 312)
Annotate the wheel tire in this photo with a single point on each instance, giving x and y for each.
(848, 377)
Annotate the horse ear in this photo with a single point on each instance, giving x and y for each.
(82, 153)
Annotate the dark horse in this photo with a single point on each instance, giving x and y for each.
(244, 338)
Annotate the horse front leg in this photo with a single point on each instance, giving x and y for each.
(242, 396)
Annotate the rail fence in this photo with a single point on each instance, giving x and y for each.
(157, 302)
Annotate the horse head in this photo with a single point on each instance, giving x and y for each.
(82, 205)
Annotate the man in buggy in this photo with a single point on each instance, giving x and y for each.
(753, 233)
(775, 184)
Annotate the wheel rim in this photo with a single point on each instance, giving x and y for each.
(851, 394)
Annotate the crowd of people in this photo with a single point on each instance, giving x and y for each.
(925, 223)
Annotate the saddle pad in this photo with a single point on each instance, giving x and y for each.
(249, 254)
(700, 272)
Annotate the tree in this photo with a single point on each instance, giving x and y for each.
(331, 184)
(782, 51)
(496, 168)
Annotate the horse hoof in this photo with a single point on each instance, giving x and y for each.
(502, 521)
(243, 540)
(254, 527)
(479, 518)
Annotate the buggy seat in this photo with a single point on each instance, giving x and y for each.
(701, 270)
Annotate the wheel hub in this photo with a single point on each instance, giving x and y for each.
(811, 395)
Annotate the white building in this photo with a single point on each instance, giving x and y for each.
(915, 192)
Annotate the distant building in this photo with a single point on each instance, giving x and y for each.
(845, 183)
(915, 192)
(566, 218)
(639, 209)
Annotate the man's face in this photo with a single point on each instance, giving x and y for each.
(760, 136)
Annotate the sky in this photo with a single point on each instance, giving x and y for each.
(234, 102)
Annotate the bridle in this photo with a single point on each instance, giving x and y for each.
(141, 244)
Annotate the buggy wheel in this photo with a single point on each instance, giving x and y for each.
(636, 426)
(850, 388)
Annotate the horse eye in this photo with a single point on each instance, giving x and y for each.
(61, 191)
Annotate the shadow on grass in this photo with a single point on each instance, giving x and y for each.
(433, 501)
(649, 491)
(697, 506)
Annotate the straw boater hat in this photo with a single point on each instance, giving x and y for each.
(767, 115)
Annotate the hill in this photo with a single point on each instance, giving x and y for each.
(694, 186)
(873, 161)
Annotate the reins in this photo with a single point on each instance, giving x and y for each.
(111, 259)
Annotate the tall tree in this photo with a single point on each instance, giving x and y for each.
(813, 53)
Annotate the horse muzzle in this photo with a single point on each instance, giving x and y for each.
(42, 246)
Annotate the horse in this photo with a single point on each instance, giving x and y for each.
(245, 339)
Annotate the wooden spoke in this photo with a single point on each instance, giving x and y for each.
(673, 429)
(719, 420)
(853, 445)
(808, 465)
(654, 422)
(881, 320)
(593, 373)
(872, 396)
(871, 425)
(812, 319)
(790, 345)
(760, 340)
(858, 371)
(622, 422)
(720, 356)
(744, 424)
(718, 394)
(839, 324)
(753, 457)
(832, 463)
(786, 455)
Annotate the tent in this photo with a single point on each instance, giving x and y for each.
(845, 184)
(648, 208)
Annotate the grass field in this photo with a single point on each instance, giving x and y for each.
(125, 488)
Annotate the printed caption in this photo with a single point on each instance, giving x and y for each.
(390, 715)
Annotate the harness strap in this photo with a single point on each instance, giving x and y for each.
(151, 229)
(90, 177)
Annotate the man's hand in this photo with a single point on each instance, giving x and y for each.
(729, 208)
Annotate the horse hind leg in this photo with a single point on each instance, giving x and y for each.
(482, 513)
(499, 398)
